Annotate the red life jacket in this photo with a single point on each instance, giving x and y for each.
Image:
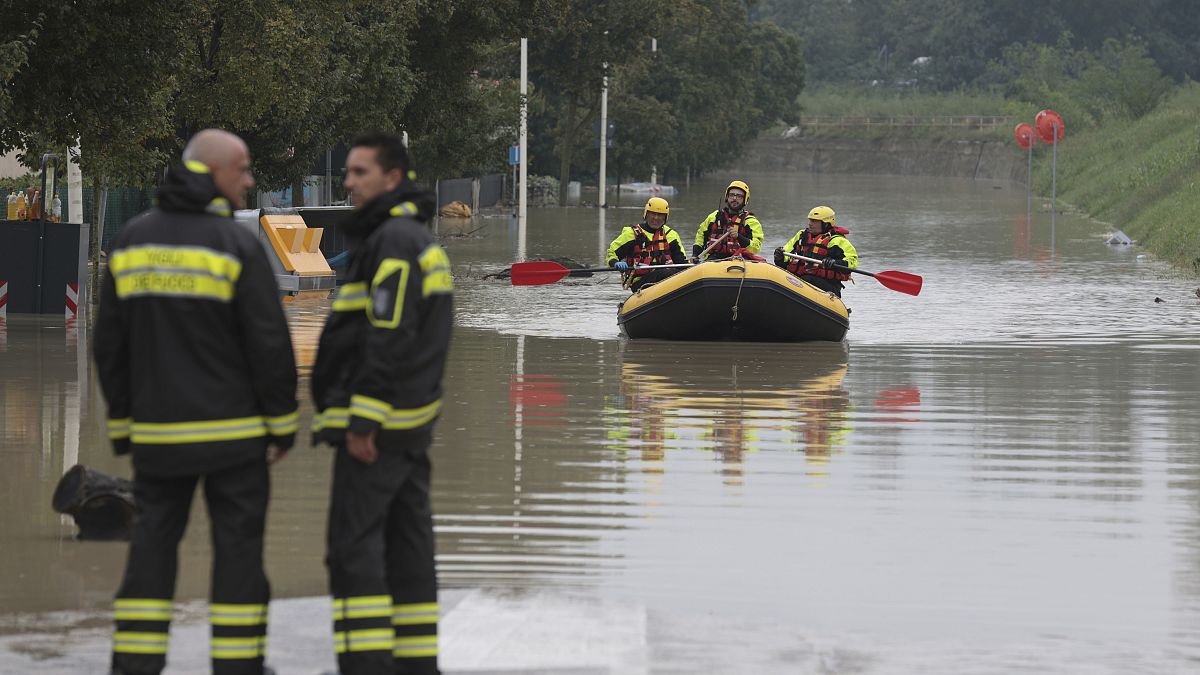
(649, 248)
(816, 246)
(728, 246)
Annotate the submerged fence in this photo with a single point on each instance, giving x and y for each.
(970, 122)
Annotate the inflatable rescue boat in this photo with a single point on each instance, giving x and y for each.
(734, 299)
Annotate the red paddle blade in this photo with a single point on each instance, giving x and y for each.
(897, 281)
(537, 273)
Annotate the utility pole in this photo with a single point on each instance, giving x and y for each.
(604, 138)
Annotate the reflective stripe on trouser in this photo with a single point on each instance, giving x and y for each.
(380, 557)
(237, 500)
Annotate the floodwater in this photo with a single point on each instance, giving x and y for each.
(1000, 475)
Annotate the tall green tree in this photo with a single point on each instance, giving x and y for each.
(568, 59)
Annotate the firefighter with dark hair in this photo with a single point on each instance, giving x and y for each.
(730, 228)
(823, 240)
(377, 386)
(195, 362)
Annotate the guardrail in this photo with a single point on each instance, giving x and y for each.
(980, 122)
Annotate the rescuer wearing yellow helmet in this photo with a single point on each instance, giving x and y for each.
(744, 229)
(650, 242)
(825, 241)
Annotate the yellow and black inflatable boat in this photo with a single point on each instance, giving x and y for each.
(734, 299)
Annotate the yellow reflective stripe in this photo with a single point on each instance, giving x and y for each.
(331, 418)
(351, 297)
(159, 258)
(141, 609)
(370, 408)
(396, 418)
(415, 647)
(175, 271)
(339, 640)
(173, 284)
(387, 268)
(370, 640)
(339, 607)
(237, 615)
(238, 647)
(128, 642)
(219, 206)
(435, 267)
(404, 209)
(412, 418)
(155, 433)
(119, 428)
(368, 607)
(196, 166)
(284, 424)
(414, 614)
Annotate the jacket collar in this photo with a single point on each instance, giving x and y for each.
(408, 200)
(189, 188)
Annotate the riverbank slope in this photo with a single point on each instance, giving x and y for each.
(1143, 177)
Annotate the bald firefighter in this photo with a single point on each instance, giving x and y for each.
(744, 230)
(650, 242)
(822, 240)
(196, 365)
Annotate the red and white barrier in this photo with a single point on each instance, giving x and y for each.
(3, 298)
(72, 301)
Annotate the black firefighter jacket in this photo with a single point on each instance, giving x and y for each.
(192, 347)
(383, 349)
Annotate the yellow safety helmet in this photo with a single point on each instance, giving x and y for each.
(823, 214)
(741, 185)
(656, 205)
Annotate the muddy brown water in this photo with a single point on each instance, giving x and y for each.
(1002, 471)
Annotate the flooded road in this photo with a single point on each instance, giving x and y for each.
(1000, 475)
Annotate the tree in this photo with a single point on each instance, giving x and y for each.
(568, 59)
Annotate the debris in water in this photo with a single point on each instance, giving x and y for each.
(1119, 238)
(1158, 299)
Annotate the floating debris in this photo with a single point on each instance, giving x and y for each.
(1119, 238)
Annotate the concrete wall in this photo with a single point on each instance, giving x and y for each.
(991, 160)
(9, 167)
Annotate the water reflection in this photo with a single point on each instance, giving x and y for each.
(722, 400)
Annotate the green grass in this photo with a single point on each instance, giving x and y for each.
(1141, 176)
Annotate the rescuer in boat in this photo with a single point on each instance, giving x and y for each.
(650, 242)
(825, 241)
(744, 229)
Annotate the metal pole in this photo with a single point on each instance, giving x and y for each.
(39, 267)
(1029, 179)
(524, 158)
(328, 177)
(1054, 177)
(604, 138)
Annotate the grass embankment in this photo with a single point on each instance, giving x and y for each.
(1142, 176)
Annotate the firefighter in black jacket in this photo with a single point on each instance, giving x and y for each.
(377, 386)
(196, 365)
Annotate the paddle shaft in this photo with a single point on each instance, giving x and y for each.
(713, 244)
(817, 261)
(541, 272)
(902, 282)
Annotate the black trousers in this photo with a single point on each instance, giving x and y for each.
(381, 565)
(237, 506)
